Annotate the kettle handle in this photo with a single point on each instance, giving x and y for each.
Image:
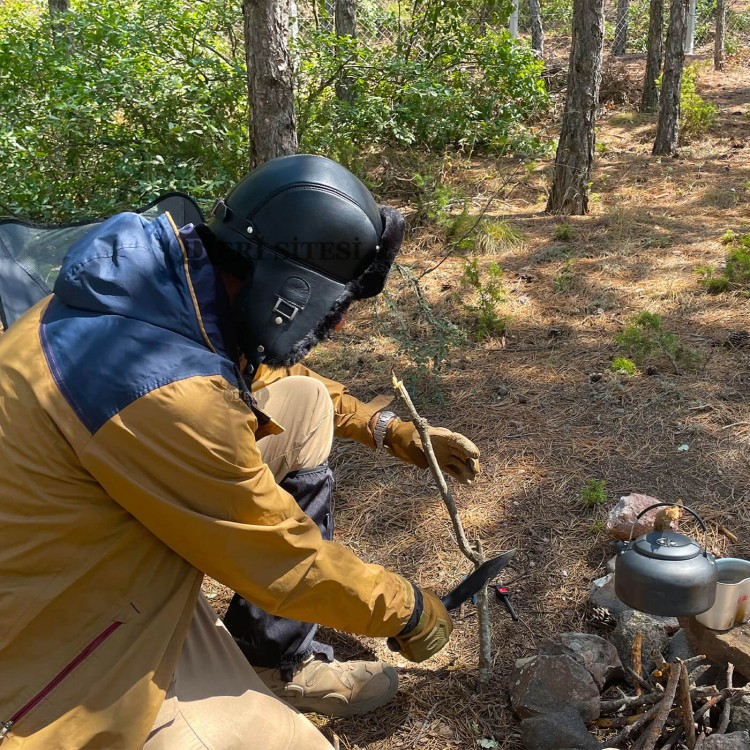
(684, 507)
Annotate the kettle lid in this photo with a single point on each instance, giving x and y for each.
(667, 545)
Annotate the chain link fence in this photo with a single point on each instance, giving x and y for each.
(626, 22)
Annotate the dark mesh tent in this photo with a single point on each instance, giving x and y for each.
(31, 254)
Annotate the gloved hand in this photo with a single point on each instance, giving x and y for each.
(430, 634)
(456, 455)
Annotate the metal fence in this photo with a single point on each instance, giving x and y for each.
(626, 22)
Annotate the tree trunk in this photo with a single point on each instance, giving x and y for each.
(575, 149)
(58, 6)
(668, 129)
(721, 30)
(273, 127)
(650, 96)
(621, 28)
(57, 9)
(537, 30)
(346, 25)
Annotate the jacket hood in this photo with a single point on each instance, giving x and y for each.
(140, 269)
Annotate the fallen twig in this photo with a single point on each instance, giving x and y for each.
(726, 711)
(636, 660)
(632, 729)
(686, 707)
(652, 734)
(475, 554)
(617, 704)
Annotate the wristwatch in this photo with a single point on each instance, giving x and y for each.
(381, 425)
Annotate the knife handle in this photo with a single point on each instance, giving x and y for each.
(502, 593)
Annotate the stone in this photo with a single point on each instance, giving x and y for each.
(620, 519)
(602, 594)
(741, 715)
(679, 647)
(545, 684)
(596, 655)
(723, 646)
(733, 741)
(654, 638)
(561, 730)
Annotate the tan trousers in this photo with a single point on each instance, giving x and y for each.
(216, 701)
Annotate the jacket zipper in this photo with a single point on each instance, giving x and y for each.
(6, 726)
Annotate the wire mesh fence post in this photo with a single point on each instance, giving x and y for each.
(621, 28)
(690, 29)
(537, 30)
(513, 23)
(719, 41)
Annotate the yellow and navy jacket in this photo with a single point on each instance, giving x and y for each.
(128, 469)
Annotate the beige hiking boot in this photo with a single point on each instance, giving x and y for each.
(334, 688)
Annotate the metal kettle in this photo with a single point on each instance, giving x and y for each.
(666, 573)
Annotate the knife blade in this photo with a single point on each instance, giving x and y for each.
(476, 581)
(472, 584)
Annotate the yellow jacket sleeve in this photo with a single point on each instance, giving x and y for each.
(351, 416)
(184, 462)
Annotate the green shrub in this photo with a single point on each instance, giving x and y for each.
(736, 274)
(123, 102)
(645, 339)
(594, 493)
(433, 81)
(623, 365)
(488, 289)
(697, 116)
(565, 278)
(563, 232)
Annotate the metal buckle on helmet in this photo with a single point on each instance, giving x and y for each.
(291, 310)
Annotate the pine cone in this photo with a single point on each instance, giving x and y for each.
(736, 339)
(602, 618)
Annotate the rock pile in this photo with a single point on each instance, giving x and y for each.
(582, 691)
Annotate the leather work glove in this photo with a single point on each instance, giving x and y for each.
(456, 454)
(431, 633)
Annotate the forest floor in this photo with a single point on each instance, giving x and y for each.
(541, 400)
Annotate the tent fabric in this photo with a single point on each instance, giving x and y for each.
(31, 254)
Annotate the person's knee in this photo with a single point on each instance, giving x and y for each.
(315, 396)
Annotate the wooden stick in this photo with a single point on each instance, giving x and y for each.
(652, 734)
(422, 428)
(476, 555)
(632, 729)
(726, 710)
(636, 659)
(646, 684)
(686, 706)
(616, 704)
(485, 631)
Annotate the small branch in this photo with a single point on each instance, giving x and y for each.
(422, 428)
(615, 705)
(636, 659)
(632, 729)
(726, 711)
(476, 555)
(652, 734)
(646, 684)
(485, 631)
(686, 707)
